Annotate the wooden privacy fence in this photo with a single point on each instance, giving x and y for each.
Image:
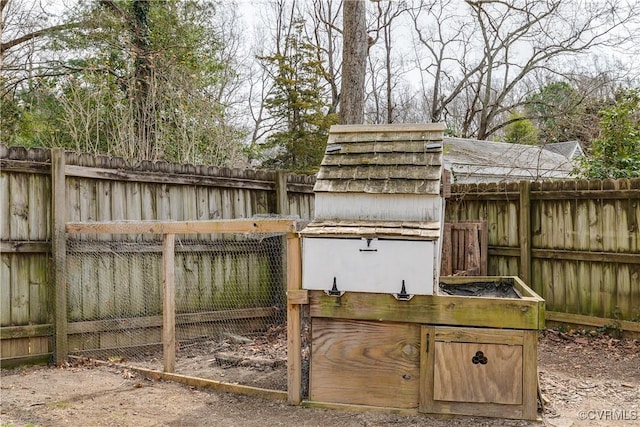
(576, 243)
(42, 190)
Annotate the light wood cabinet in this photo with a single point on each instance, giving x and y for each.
(478, 371)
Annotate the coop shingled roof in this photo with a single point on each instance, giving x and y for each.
(389, 159)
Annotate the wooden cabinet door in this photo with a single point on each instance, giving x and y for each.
(477, 372)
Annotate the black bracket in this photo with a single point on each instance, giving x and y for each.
(334, 292)
(403, 295)
(368, 248)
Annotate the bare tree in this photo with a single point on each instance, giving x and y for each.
(479, 65)
(325, 30)
(385, 68)
(23, 26)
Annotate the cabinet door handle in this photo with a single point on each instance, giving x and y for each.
(479, 358)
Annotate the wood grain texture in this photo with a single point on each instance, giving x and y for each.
(168, 304)
(294, 332)
(5, 289)
(464, 249)
(365, 363)
(530, 375)
(462, 391)
(185, 227)
(458, 379)
(59, 253)
(524, 229)
(440, 310)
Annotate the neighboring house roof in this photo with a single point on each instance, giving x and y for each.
(383, 159)
(569, 149)
(472, 160)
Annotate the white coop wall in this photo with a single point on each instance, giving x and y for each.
(378, 207)
(377, 265)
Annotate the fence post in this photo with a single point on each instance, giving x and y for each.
(282, 198)
(168, 303)
(524, 229)
(294, 339)
(59, 253)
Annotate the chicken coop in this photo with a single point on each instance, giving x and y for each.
(386, 331)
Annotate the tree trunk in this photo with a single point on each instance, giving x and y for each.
(354, 56)
(145, 119)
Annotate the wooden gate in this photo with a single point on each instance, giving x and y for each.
(464, 249)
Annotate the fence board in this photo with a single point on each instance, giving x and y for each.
(608, 289)
(571, 285)
(609, 237)
(106, 285)
(103, 205)
(164, 206)
(492, 223)
(5, 289)
(18, 206)
(39, 289)
(5, 212)
(37, 207)
(582, 233)
(597, 300)
(595, 225)
(557, 225)
(633, 225)
(549, 289)
(583, 284)
(19, 289)
(623, 294)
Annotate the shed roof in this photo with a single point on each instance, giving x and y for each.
(569, 149)
(473, 160)
(387, 159)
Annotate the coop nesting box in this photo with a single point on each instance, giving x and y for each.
(378, 211)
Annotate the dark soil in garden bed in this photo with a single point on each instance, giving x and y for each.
(501, 289)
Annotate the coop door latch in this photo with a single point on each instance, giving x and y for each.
(368, 248)
(334, 291)
(403, 295)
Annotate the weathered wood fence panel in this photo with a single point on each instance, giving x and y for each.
(584, 257)
(100, 188)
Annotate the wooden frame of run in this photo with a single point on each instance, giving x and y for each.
(169, 229)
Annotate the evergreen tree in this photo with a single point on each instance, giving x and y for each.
(561, 113)
(520, 131)
(298, 102)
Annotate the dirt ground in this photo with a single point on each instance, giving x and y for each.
(586, 380)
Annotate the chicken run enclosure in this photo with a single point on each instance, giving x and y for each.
(194, 299)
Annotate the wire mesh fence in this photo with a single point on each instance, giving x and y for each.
(230, 303)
